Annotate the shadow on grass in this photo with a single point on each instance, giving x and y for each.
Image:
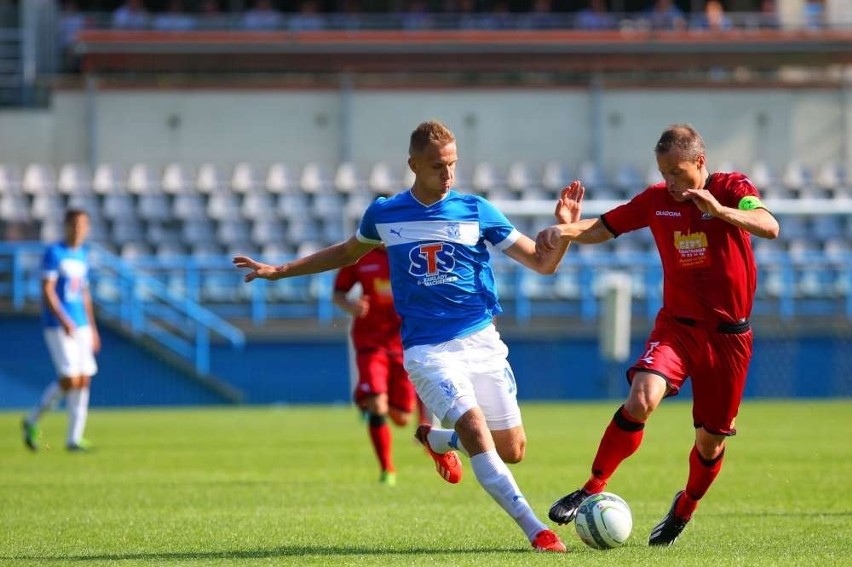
(284, 551)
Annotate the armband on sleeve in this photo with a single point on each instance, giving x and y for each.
(749, 203)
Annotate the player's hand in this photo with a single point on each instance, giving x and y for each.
(568, 206)
(548, 240)
(705, 201)
(360, 307)
(68, 327)
(258, 269)
(96, 341)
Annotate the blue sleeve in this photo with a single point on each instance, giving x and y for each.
(50, 260)
(367, 228)
(495, 226)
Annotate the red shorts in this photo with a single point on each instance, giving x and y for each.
(382, 372)
(717, 362)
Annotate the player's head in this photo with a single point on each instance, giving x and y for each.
(681, 158)
(432, 157)
(76, 227)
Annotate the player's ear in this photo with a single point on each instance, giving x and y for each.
(412, 164)
(702, 159)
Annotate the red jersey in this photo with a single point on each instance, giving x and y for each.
(709, 272)
(380, 327)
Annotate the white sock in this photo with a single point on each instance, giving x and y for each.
(444, 440)
(52, 394)
(497, 480)
(78, 411)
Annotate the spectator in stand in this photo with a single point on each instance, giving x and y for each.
(308, 18)
(174, 19)
(542, 16)
(417, 16)
(665, 15)
(210, 15)
(130, 15)
(71, 23)
(595, 16)
(263, 16)
(713, 18)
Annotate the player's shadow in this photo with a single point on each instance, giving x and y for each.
(283, 551)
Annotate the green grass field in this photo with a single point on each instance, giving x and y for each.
(298, 486)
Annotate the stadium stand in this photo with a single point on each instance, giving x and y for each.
(145, 216)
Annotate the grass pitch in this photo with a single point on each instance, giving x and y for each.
(298, 486)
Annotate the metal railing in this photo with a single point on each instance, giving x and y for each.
(136, 301)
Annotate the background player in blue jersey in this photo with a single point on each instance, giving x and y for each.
(70, 331)
(443, 288)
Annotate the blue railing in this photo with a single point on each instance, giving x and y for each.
(180, 301)
(140, 303)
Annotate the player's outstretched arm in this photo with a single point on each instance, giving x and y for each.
(586, 231)
(329, 258)
(568, 209)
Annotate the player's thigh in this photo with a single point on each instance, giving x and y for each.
(719, 383)
(84, 339)
(401, 394)
(441, 378)
(64, 352)
(372, 375)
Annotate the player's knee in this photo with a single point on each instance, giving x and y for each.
(639, 408)
(399, 417)
(708, 445)
(513, 453)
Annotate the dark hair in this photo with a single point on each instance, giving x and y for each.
(72, 214)
(432, 132)
(683, 139)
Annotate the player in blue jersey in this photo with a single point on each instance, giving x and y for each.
(70, 331)
(443, 288)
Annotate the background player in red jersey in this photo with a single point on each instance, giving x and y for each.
(702, 225)
(383, 387)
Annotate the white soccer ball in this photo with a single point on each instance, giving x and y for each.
(604, 521)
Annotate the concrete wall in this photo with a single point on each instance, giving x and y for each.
(297, 126)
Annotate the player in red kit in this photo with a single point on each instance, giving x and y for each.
(383, 388)
(702, 225)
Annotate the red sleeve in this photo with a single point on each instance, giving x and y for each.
(346, 278)
(740, 186)
(630, 216)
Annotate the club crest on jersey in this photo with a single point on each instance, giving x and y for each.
(433, 262)
(453, 230)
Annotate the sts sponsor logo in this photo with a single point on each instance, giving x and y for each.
(433, 262)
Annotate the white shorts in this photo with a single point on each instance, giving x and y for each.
(458, 375)
(72, 356)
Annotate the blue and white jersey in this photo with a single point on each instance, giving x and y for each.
(70, 268)
(442, 281)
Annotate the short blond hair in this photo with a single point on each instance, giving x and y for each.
(431, 132)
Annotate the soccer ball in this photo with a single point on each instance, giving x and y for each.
(604, 521)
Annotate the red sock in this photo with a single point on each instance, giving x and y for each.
(620, 440)
(380, 435)
(702, 473)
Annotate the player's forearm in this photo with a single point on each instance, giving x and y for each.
(587, 231)
(758, 222)
(326, 259)
(548, 262)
